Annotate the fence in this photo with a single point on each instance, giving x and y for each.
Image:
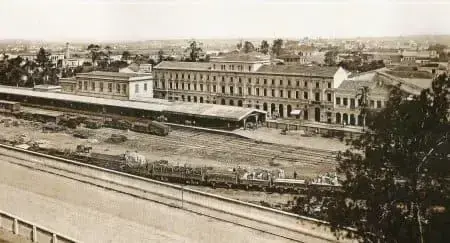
(31, 231)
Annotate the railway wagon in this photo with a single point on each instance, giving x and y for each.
(222, 179)
(9, 106)
(179, 174)
(158, 128)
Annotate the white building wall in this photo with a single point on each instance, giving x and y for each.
(340, 75)
(137, 89)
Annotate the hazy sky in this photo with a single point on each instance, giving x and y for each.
(103, 20)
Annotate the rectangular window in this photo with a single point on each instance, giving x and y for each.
(257, 81)
(305, 95)
(101, 86)
(281, 93)
(85, 85)
(189, 87)
(156, 84)
(249, 80)
(231, 89)
(289, 94)
(170, 85)
(338, 100)
(201, 87)
(223, 79)
(352, 103)
(257, 91)
(136, 87)
(265, 92)
(214, 88)
(345, 101)
(118, 88)
(176, 85)
(240, 80)
(80, 85)
(281, 82)
(214, 78)
(265, 81)
(273, 93)
(145, 86)
(305, 84)
(249, 68)
(109, 87)
(182, 76)
(289, 82)
(378, 103)
(240, 90)
(298, 83)
(297, 94)
(273, 81)
(249, 91)
(317, 85)
(328, 97)
(317, 96)
(231, 79)
(329, 85)
(92, 85)
(223, 89)
(124, 88)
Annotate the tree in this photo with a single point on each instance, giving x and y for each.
(95, 53)
(239, 45)
(248, 47)
(397, 173)
(160, 56)
(108, 53)
(276, 46)
(264, 47)
(330, 57)
(126, 55)
(194, 50)
(363, 97)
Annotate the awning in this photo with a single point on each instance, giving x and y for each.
(296, 112)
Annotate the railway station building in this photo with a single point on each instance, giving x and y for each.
(204, 115)
(250, 80)
(111, 85)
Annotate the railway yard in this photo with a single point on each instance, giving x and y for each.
(188, 146)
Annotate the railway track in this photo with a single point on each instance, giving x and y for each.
(195, 139)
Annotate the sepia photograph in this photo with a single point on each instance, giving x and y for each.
(225, 121)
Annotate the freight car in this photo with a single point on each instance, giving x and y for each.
(9, 107)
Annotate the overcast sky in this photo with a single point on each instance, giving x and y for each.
(103, 20)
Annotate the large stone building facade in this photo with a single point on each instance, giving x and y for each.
(300, 92)
(111, 85)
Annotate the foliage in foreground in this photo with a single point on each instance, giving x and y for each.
(398, 176)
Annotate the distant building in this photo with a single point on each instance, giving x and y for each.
(123, 86)
(137, 68)
(249, 80)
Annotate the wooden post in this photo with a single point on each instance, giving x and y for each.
(16, 227)
(54, 238)
(34, 234)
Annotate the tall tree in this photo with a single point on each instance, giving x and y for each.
(108, 53)
(160, 56)
(397, 186)
(248, 47)
(95, 53)
(363, 97)
(126, 55)
(239, 45)
(264, 47)
(194, 50)
(277, 46)
(330, 58)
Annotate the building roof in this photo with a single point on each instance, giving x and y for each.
(231, 113)
(355, 84)
(225, 112)
(299, 69)
(112, 75)
(242, 57)
(199, 66)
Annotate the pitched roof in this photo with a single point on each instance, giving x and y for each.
(355, 84)
(202, 66)
(112, 74)
(241, 57)
(299, 69)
